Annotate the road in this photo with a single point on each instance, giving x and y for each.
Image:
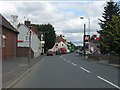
(70, 71)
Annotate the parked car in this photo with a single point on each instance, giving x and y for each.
(88, 52)
(49, 53)
(81, 52)
(63, 51)
(58, 52)
(77, 51)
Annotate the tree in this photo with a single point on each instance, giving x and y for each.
(111, 11)
(71, 46)
(113, 35)
(49, 35)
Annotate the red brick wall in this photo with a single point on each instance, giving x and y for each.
(10, 49)
(0, 43)
(24, 52)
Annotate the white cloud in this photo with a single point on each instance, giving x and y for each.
(64, 16)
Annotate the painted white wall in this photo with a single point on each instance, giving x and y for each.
(60, 45)
(35, 42)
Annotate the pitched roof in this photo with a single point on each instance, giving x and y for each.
(60, 39)
(6, 24)
(33, 28)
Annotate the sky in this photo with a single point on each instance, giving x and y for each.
(63, 15)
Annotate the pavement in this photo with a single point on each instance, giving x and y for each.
(104, 62)
(15, 69)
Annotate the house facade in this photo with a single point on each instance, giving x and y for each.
(0, 48)
(60, 43)
(24, 40)
(8, 39)
(94, 44)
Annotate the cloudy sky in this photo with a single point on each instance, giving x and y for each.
(63, 15)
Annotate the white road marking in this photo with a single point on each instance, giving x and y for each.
(60, 56)
(65, 59)
(68, 61)
(85, 70)
(108, 82)
(74, 64)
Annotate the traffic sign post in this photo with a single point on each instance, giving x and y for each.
(29, 47)
(84, 39)
(29, 53)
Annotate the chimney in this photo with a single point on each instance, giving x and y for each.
(27, 23)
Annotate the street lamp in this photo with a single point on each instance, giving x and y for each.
(84, 37)
(88, 32)
(88, 24)
(89, 27)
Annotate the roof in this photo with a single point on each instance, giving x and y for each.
(6, 24)
(33, 28)
(60, 39)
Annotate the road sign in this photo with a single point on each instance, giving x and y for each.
(87, 37)
(30, 32)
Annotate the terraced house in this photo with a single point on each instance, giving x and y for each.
(9, 39)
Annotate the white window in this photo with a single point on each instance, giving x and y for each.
(3, 40)
(26, 38)
(0, 40)
(42, 37)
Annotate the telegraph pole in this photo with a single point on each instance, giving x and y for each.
(84, 39)
(29, 47)
(29, 51)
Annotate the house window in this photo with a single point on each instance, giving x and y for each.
(42, 37)
(26, 38)
(3, 40)
(56, 44)
(62, 44)
(0, 40)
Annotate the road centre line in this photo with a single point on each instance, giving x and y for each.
(74, 64)
(64, 59)
(60, 56)
(68, 61)
(85, 70)
(97, 76)
(108, 82)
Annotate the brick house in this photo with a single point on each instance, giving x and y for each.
(8, 39)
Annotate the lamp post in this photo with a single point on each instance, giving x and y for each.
(88, 24)
(30, 33)
(88, 32)
(84, 40)
(29, 46)
(84, 37)
(89, 27)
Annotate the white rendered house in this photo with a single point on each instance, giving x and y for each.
(23, 39)
(60, 43)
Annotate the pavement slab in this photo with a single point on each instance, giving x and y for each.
(14, 68)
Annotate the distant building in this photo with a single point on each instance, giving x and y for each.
(24, 37)
(60, 43)
(9, 39)
(94, 44)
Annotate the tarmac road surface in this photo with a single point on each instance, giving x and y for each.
(69, 71)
